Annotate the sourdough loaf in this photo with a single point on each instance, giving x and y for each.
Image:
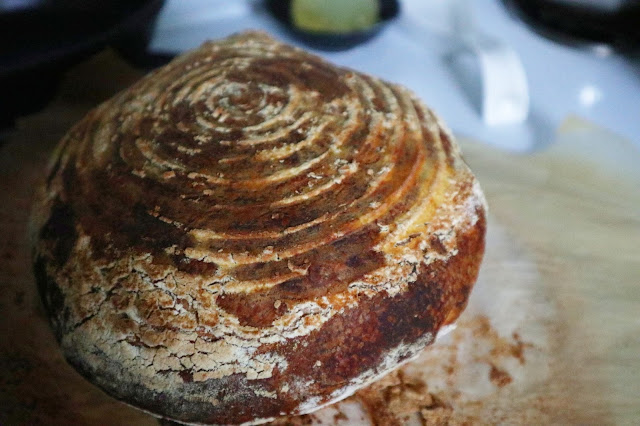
(250, 232)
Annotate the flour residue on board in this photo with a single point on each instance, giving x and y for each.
(489, 366)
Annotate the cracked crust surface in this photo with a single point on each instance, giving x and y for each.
(250, 232)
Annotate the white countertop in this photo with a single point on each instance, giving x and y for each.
(563, 81)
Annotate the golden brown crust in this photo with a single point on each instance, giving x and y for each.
(251, 231)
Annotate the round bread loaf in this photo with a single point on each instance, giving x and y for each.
(250, 232)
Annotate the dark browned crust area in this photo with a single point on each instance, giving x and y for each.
(346, 346)
(251, 232)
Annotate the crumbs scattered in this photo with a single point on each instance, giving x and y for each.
(517, 350)
(499, 377)
(412, 395)
(339, 416)
(399, 398)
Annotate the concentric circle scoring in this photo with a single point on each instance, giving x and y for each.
(242, 151)
(256, 163)
(229, 215)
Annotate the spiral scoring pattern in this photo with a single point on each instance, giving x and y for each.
(237, 199)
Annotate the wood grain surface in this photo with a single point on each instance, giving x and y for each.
(551, 334)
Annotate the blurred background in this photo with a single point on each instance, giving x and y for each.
(506, 72)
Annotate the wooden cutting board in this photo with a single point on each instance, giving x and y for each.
(551, 335)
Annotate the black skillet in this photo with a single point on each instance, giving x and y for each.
(40, 39)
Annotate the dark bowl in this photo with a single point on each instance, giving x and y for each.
(281, 9)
